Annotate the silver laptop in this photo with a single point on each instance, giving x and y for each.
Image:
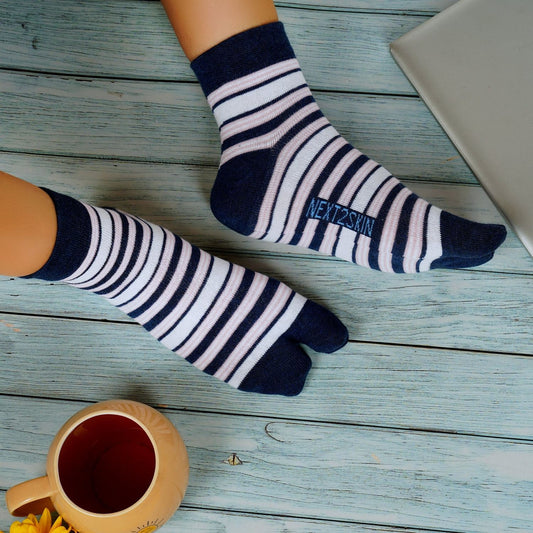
(472, 64)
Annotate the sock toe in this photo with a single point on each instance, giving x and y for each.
(319, 329)
(282, 370)
(462, 238)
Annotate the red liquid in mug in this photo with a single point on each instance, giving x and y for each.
(106, 464)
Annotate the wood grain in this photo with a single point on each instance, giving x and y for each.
(312, 470)
(109, 40)
(370, 384)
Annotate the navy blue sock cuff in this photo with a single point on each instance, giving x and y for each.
(242, 54)
(72, 241)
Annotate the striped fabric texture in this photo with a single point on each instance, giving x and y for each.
(235, 324)
(286, 175)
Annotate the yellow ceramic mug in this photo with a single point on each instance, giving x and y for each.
(115, 467)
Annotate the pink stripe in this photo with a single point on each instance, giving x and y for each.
(265, 321)
(302, 194)
(281, 163)
(263, 115)
(362, 251)
(161, 270)
(216, 312)
(113, 244)
(363, 243)
(268, 140)
(249, 81)
(144, 250)
(413, 248)
(192, 290)
(128, 252)
(390, 228)
(255, 291)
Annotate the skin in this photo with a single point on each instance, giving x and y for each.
(201, 24)
(27, 214)
(29, 223)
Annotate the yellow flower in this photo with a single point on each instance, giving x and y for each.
(44, 525)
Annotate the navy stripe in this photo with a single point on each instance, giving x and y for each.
(380, 224)
(271, 325)
(223, 319)
(253, 316)
(138, 232)
(152, 274)
(211, 305)
(251, 50)
(257, 86)
(176, 252)
(402, 233)
(321, 178)
(293, 156)
(424, 241)
(122, 248)
(266, 127)
(328, 169)
(180, 290)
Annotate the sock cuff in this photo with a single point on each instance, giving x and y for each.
(72, 240)
(242, 54)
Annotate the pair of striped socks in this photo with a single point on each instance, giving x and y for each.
(285, 176)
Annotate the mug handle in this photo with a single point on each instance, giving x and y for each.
(30, 497)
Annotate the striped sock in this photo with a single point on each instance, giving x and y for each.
(240, 326)
(287, 176)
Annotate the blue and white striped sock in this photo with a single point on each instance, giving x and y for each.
(240, 326)
(286, 175)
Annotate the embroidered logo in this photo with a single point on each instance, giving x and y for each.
(341, 215)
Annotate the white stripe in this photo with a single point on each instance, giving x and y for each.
(110, 261)
(265, 322)
(141, 256)
(138, 283)
(255, 98)
(250, 80)
(434, 244)
(170, 290)
(245, 306)
(105, 245)
(281, 326)
(292, 177)
(203, 301)
(126, 257)
(155, 281)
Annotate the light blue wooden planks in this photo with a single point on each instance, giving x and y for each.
(369, 383)
(168, 122)
(213, 521)
(133, 39)
(312, 470)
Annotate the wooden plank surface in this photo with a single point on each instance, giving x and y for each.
(214, 521)
(423, 422)
(312, 470)
(370, 384)
(108, 40)
(168, 122)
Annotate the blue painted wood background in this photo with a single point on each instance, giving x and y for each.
(423, 422)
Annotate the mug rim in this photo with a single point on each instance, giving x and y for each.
(64, 437)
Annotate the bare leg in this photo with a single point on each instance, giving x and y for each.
(28, 226)
(201, 24)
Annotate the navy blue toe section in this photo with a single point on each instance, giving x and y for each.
(465, 239)
(319, 329)
(282, 370)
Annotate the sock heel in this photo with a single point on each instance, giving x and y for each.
(239, 188)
